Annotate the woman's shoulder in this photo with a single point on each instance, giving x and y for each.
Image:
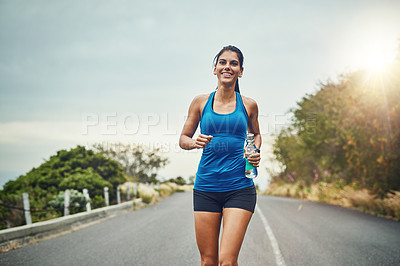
(249, 101)
(250, 104)
(202, 97)
(200, 100)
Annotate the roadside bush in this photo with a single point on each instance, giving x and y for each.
(166, 190)
(147, 194)
(77, 201)
(98, 202)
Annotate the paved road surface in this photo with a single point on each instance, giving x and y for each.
(306, 233)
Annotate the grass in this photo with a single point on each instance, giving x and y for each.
(152, 194)
(343, 195)
(148, 194)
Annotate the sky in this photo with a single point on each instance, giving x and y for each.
(83, 72)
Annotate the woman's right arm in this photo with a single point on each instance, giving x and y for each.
(186, 141)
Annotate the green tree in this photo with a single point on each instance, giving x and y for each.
(191, 179)
(348, 131)
(76, 169)
(178, 180)
(139, 162)
(86, 178)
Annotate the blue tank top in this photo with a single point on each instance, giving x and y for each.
(222, 165)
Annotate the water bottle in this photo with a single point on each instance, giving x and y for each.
(250, 148)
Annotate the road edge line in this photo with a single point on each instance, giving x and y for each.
(275, 247)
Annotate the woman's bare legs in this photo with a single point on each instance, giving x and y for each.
(207, 225)
(235, 222)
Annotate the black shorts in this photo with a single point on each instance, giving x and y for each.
(244, 198)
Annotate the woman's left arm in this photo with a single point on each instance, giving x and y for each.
(254, 128)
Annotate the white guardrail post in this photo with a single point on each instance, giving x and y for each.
(135, 190)
(27, 211)
(86, 194)
(128, 195)
(106, 196)
(66, 202)
(118, 195)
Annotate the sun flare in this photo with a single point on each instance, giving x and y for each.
(377, 55)
(378, 60)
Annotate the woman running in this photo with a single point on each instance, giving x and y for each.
(221, 188)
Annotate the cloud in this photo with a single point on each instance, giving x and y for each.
(33, 131)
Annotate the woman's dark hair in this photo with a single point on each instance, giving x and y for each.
(240, 56)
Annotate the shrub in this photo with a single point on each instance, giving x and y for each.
(166, 190)
(147, 194)
(77, 201)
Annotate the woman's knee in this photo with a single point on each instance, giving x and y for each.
(227, 260)
(209, 260)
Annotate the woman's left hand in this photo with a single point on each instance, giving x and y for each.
(254, 159)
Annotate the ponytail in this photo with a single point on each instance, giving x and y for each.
(237, 86)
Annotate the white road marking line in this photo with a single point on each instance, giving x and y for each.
(275, 247)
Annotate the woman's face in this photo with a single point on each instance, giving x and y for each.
(227, 68)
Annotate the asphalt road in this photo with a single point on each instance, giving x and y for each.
(283, 231)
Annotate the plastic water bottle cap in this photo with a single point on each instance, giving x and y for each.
(250, 136)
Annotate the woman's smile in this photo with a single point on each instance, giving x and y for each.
(228, 75)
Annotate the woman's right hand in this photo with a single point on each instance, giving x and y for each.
(201, 141)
